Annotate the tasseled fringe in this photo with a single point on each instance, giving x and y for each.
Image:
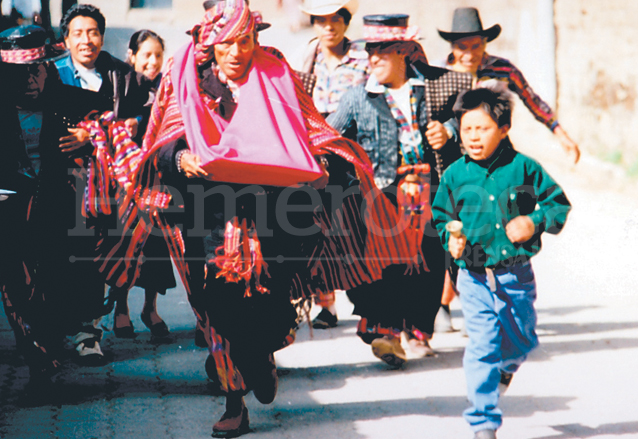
(110, 167)
(240, 257)
(413, 199)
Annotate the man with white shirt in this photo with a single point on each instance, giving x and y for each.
(116, 88)
(91, 68)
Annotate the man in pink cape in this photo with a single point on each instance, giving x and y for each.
(235, 140)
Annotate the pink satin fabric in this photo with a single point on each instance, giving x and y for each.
(266, 142)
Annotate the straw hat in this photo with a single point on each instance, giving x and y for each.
(327, 7)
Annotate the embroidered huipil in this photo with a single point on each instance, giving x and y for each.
(486, 195)
(330, 86)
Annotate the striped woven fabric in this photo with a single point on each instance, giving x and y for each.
(375, 33)
(23, 56)
(376, 236)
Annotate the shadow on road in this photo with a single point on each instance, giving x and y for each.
(578, 431)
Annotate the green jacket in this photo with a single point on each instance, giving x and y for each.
(486, 195)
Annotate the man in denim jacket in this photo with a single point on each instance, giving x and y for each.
(403, 119)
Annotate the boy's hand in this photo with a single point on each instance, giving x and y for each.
(520, 229)
(456, 245)
(436, 134)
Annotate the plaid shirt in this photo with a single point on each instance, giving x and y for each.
(493, 67)
(331, 86)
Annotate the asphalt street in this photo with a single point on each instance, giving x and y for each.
(580, 383)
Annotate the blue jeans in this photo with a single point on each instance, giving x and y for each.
(501, 327)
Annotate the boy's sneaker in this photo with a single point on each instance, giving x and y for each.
(389, 349)
(485, 434)
(325, 320)
(506, 379)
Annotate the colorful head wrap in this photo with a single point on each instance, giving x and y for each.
(28, 45)
(387, 28)
(225, 21)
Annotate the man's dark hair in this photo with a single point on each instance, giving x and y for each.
(345, 14)
(82, 10)
(495, 103)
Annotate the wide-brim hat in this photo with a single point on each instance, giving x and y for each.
(327, 7)
(466, 23)
(386, 28)
(28, 45)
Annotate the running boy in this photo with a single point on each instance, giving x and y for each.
(505, 201)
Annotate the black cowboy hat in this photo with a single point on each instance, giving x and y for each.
(466, 22)
(28, 45)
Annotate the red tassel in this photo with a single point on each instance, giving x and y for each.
(240, 257)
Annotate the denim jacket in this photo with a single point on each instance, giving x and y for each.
(121, 89)
(366, 118)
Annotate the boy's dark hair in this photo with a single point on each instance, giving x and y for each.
(345, 14)
(83, 10)
(495, 103)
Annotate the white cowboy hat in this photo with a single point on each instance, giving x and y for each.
(327, 7)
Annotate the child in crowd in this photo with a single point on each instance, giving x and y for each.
(505, 201)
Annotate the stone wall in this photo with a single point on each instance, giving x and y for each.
(597, 62)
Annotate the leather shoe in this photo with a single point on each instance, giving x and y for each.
(325, 320)
(389, 349)
(159, 329)
(232, 427)
(124, 332)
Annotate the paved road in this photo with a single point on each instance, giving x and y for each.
(580, 383)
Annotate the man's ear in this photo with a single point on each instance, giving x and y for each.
(504, 130)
